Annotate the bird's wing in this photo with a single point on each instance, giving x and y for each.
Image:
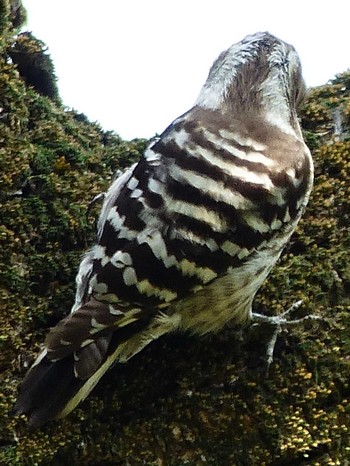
(176, 221)
(86, 265)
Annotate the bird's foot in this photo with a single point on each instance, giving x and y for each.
(278, 322)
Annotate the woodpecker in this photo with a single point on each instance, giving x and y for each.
(187, 235)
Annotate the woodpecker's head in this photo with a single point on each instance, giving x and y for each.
(260, 75)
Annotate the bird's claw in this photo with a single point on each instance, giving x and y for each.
(278, 322)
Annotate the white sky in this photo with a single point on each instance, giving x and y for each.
(135, 65)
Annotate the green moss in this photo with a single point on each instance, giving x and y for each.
(182, 400)
(34, 65)
(12, 16)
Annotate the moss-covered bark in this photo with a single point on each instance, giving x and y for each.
(182, 400)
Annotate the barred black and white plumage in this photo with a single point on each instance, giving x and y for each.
(187, 235)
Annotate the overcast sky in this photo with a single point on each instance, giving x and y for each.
(135, 65)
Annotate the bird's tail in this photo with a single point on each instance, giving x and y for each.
(75, 359)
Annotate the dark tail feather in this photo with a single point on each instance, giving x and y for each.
(53, 388)
(46, 390)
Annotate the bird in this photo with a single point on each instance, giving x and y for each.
(188, 234)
